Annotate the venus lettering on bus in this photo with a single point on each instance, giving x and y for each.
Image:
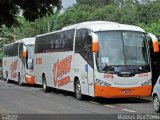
(63, 81)
(13, 69)
(61, 68)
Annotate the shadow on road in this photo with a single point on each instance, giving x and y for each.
(104, 100)
(87, 98)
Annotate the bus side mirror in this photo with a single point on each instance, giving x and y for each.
(95, 46)
(24, 52)
(155, 43)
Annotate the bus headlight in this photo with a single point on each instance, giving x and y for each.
(146, 83)
(102, 83)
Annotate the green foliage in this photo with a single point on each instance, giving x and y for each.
(31, 10)
(124, 3)
(107, 13)
(122, 11)
(152, 28)
(95, 3)
(26, 29)
(148, 13)
(77, 13)
(128, 15)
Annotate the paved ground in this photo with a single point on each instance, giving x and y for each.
(32, 100)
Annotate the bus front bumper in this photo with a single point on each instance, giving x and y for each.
(115, 92)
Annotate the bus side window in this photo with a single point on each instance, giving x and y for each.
(10, 50)
(69, 35)
(20, 49)
(15, 49)
(83, 45)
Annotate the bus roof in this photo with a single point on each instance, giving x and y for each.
(103, 26)
(99, 26)
(8, 44)
(27, 41)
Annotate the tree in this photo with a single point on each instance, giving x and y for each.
(148, 13)
(128, 15)
(26, 29)
(95, 3)
(31, 10)
(107, 13)
(152, 28)
(124, 3)
(77, 13)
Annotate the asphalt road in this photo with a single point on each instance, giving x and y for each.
(32, 100)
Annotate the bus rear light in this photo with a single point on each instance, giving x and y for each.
(102, 83)
(146, 83)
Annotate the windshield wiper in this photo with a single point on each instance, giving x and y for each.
(108, 68)
(138, 69)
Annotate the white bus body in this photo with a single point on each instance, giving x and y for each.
(16, 66)
(97, 58)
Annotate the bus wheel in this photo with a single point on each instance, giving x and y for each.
(8, 81)
(156, 104)
(19, 80)
(45, 87)
(78, 93)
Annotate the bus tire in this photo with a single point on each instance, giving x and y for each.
(44, 84)
(156, 104)
(19, 80)
(78, 93)
(7, 80)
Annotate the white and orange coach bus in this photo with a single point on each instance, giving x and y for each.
(96, 58)
(18, 61)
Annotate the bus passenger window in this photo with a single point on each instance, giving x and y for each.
(83, 45)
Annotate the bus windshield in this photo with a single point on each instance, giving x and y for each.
(121, 48)
(30, 56)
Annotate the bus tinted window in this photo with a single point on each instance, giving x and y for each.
(83, 45)
(80, 41)
(11, 50)
(55, 42)
(69, 35)
(41, 44)
(15, 49)
(20, 50)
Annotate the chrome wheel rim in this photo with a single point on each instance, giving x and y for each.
(156, 103)
(78, 90)
(19, 81)
(44, 85)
